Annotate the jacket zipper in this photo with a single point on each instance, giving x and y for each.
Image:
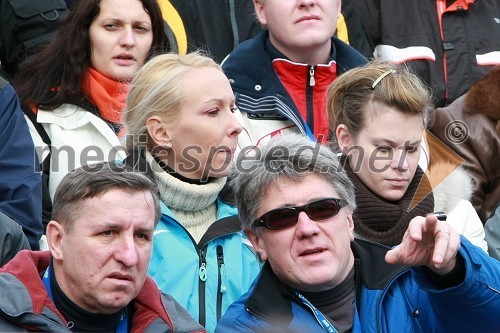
(221, 288)
(311, 82)
(201, 287)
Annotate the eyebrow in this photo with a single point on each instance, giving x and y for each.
(307, 202)
(145, 230)
(392, 143)
(219, 100)
(121, 20)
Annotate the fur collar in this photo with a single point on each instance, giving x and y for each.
(483, 96)
(456, 186)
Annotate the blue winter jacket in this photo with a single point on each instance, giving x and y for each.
(206, 277)
(20, 179)
(389, 298)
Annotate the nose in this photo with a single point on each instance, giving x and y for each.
(127, 38)
(400, 160)
(126, 252)
(234, 125)
(306, 3)
(305, 226)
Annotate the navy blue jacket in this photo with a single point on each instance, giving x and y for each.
(20, 179)
(389, 298)
(263, 100)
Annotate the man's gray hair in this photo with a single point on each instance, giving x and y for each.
(94, 180)
(291, 157)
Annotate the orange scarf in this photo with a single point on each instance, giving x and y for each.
(108, 95)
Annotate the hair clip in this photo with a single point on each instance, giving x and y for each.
(381, 77)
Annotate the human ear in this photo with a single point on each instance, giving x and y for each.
(259, 11)
(257, 243)
(350, 223)
(343, 138)
(55, 234)
(158, 132)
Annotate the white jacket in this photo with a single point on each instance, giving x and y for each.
(452, 197)
(78, 137)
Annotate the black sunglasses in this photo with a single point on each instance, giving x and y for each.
(285, 217)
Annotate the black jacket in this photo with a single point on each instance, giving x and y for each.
(12, 239)
(409, 31)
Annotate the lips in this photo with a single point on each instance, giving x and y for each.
(311, 251)
(307, 18)
(124, 56)
(121, 276)
(227, 150)
(124, 59)
(398, 181)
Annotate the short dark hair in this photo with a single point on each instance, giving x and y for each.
(94, 180)
(291, 157)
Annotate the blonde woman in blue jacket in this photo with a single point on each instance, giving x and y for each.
(183, 130)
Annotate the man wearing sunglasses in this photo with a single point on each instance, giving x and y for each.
(295, 203)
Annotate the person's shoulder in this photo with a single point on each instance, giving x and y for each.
(347, 57)
(3, 83)
(249, 48)
(237, 319)
(180, 317)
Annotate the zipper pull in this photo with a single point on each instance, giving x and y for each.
(223, 287)
(222, 269)
(203, 267)
(312, 81)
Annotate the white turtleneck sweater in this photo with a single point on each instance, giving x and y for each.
(194, 205)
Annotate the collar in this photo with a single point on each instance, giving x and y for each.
(277, 54)
(107, 94)
(181, 195)
(80, 319)
(458, 5)
(250, 64)
(375, 273)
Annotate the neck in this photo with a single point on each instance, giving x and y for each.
(309, 55)
(177, 175)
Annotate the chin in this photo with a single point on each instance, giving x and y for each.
(125, 76)
(392, 196)
(220, 170)
(218, 174)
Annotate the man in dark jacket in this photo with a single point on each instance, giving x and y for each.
(280, 77)
(295, 202)
(450, 44)
(95, 276)
(218, 26)
(20, 181)
(26, 27)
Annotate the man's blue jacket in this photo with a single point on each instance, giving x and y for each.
(389, 298)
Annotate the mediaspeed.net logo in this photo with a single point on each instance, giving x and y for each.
(443, 162)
